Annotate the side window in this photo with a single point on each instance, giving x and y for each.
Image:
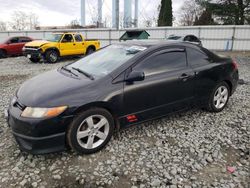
(67, 38)
(162, 62)
(78, 38)
(196, 58)
(24, 39)
(14, 40)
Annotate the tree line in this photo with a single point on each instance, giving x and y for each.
(206, 12)
(192, 12)
(20, 21)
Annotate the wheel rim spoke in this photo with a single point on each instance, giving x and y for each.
(90, 122)
(224, 92)
(90, 142)
(101, 123)
(101, 135)
(223, 99)
(216, 97)
(217, 103)
(82, 134)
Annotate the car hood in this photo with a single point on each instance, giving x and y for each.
(55, 88)
(36, 43)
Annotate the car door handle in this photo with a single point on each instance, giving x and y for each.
(74, 44)
(184, 76)
(82, 43)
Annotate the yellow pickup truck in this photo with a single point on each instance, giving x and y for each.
(58, 45)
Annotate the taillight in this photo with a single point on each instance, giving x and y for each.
(235, 65)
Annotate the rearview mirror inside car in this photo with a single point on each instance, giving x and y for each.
(135, 76)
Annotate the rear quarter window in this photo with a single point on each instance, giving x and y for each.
(197, 58)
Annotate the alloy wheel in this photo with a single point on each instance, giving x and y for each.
(93, 131)
(220, 97)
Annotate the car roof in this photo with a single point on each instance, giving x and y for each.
(155, 43)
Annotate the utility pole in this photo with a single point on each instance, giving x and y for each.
(136, 13)
(83, 11)
(99, 24)
(127, 13)
(115, 14)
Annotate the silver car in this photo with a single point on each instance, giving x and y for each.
(186, 38)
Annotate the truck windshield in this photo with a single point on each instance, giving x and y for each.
(54, 37)
(106, 60)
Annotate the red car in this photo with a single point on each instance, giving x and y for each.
(13, 46)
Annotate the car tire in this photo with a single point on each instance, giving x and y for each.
(90, 131)
(34, 60)
(51, 56)
(218, 98)
(3, 54)
(90, 50)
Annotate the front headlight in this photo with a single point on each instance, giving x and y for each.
(43, 112)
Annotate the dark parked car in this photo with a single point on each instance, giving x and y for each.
(81, 104)
(186, 38)
(13, 46)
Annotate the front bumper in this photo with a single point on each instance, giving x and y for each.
(33, 53)
(38, 136)
(41, 145)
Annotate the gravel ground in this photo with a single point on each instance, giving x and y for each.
(190, 149)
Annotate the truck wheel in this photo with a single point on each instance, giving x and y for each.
(90, 50)
(34, 60)
(51, 56)
(3, 54)
(90, 131)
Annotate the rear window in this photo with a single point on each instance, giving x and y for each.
(78, 38)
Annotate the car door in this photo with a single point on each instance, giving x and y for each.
(168, 85)
(21, 42)
(67, 45)
(13, 46)
(79, 44)
(206, 72)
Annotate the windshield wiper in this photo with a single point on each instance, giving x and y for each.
(68, 70)
(85, 73)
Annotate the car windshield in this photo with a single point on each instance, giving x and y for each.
(54, 37)
(106, 60)
(174, 37)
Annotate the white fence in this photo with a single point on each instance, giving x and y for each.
(236, 38)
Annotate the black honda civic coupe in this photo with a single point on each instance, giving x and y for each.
(80, 105)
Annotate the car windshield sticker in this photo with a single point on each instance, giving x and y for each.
(135, 49)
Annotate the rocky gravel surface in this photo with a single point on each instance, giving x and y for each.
(189, 149)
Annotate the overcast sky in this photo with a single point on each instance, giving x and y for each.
(61, 12)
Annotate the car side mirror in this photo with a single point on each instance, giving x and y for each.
(135, 76)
